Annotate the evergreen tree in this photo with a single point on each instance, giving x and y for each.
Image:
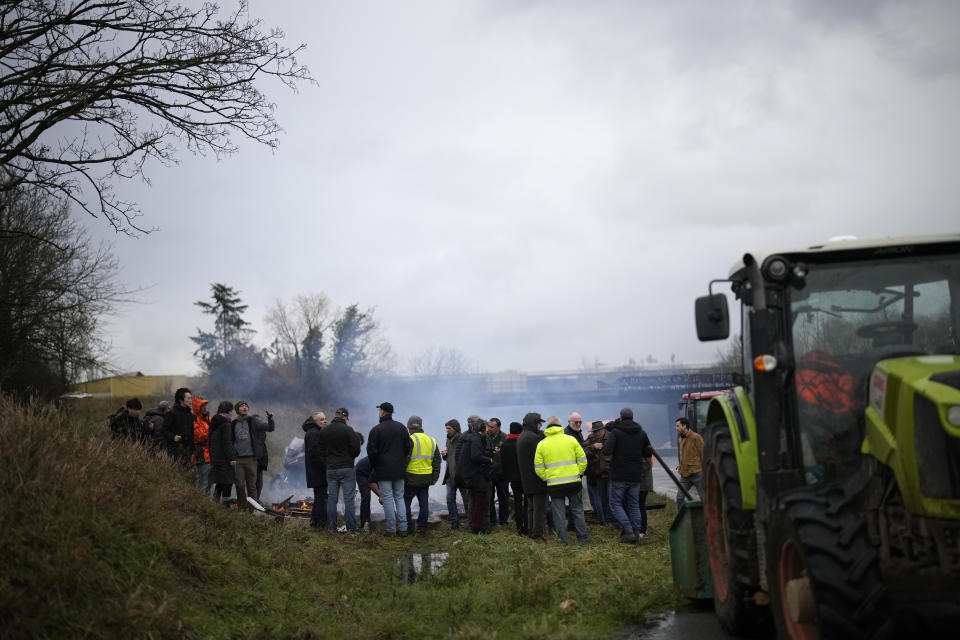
(358, 348)
(230, 329)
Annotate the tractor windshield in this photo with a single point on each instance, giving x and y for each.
(848, 317)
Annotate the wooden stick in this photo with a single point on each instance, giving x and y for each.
(673, 477)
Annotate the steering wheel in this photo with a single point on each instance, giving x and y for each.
(886, 329)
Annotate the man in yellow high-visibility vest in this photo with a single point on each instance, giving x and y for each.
(560, 462)
(423, 470)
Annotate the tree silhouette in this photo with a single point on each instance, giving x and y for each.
(93, 89)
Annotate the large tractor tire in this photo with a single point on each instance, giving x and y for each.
(729, 532)
(824, 579)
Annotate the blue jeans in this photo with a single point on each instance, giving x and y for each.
(630, 519)
(599, 493)
(558, 509)
(689, 482)
(452, 503)
(422, 494)
(337, 478)
(393, 508)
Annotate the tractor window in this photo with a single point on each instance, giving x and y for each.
(850, 316)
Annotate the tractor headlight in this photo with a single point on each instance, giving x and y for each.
(765, 363)
(953, 415)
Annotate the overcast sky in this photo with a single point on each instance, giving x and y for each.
(539, 183)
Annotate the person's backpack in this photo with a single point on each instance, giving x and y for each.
(118, 427)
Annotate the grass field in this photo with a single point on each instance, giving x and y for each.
(101, 539)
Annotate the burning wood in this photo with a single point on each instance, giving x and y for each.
(301, 509)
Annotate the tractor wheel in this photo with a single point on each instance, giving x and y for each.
(824, 579)
(729, 530)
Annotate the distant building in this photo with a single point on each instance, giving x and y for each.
(130, 385)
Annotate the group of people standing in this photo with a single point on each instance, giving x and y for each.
(544, 471)
(484, 465)
(222, 450)
(401, 464)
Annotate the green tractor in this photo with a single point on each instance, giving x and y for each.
(831, 477)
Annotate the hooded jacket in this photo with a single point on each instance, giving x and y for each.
(313, 461)
(629, 449)
(508, 460)
(201, 432)
(559, 460)
(155, 434)
(472, 463)
(388, 448)
(424, 479)
(527, 443)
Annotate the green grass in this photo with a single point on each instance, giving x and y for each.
(101, 539)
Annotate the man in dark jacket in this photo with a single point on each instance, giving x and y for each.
(511, 473)
(598, 472)
(574, 427)
(222, 455)
(178, 427)
(249, 448)
(534, 488)
(478, 425)
(388, 448)
(472, 471)
(316, 468)
(454, 440)
(126, 424)
(340, 445)
(630, 474)
(499, 485)
(154, 424)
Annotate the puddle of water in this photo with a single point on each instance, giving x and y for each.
(419, 566)
(685, 622)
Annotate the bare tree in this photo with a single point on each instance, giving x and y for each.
(442, 361)
(92, 89)
(299, 327)
(55, 289)
(731, 356)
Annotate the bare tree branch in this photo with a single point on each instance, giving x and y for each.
(90, 90)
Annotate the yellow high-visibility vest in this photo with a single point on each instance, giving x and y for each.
(421, 459)
(559, 458)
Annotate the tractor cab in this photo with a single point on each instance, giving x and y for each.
(832, 475)
(693, 406)
(828, 316)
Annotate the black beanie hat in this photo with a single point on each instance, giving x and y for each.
(515, 427)
(134, 403)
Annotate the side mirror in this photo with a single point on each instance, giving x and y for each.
(713, 318)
